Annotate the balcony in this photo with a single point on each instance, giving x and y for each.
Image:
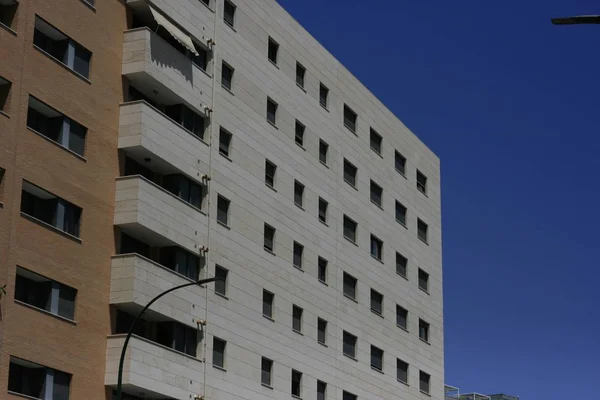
(146, 133)
(153, 371)
(161, 71)
(153, 215)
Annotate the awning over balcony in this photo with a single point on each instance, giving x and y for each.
(177, 33)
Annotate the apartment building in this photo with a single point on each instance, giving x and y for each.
(149, 143)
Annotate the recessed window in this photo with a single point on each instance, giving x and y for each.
(299, 133)
(375, 140)
(50, 209)
(5, 87)
(401, 371)
(424, 330)
(350, 172)
(37, 381)
(424, 380)
(376, 247)
(219, 352)
(376, 302)
(2, 172)
(401, 317)
(269, 238)
(44, 293)
(224, 143)
(296, 383)
(297, 319)
(62, 48)
(376, 358)
(323, 95)
(349, 229)
(322, 273)
(401, 265)
(400, 213)
(229, 13)
(349, 344)
(266, 367)
(270, 170)
(421, 182)
(201, 59)
(349, 118)
(267, 308)
(349, 396)
(186, 117)
(400, 163)
(223, 210)
(184, 188)
(221, 283)
(298, 252)
(298, 194)
(300, 74)
(376, 194)
(56, 126)
(321, 331)
(422, 230)
(350, 286)
(323, 206)
(272, 111)
(8, 10)
(273, 51)
(423, 280)
(226, 76)
(323, 150)
(175, 258)
(207, 2)
(321, 390)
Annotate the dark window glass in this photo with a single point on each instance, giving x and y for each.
(400, 213)
(421, 182)
(229, 13)
(300, 74)
(321, 390)
(224, 142)
(401, 317)
(268, 304)
(376, 248)
(376, 302)
(221, 282)
(180, 261)
(298, 193)
(219, 352)
(223, 210)
(349, 118)
(350, 286)
(422, 229)
(376, 194)
(321, 331)
(423, 280)
(400, 163)
(273, 50)
(323, 205)
(226, 76)
(322, 270)
(323, 95)
(423, 330)
(299, 133)
(272, 111)
(350, 173)
(297, 318)
(401, 265)
(376, 140)
(187, 118)
(323, 150)
(401, 371)
(349, 396)
(349, 229)
(376, 358)
(27, 378)
(132, 245)
(184, 188)
(298, 252)
(349, 345)
(424, 382)
(296, 383)
(269, 237)
(266, 368)
(270, 170)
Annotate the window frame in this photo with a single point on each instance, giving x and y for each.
(403, 213)
(422, 231)
(422, 186)
(374, 353)
(227, 202)
(297, 318)
(375, 191)
(324, 90)
(423, 276)
(401, 363)
(323, 151)
(424, 331)
(299, 131)
(272, 104)
(300, 75)
(403, 263)
(375, 139)
(354, 338)
(347, 163)
(397, 156)
(374, 301)
(354, 231)
(225, 282)
(296, 379)
(223, 354)
(424, 379)
(266, 362)
(299, 194)
(298, 255)
(273, 51)
(225, 139)
(350, 119)
(228, 85)
(268, 299)
(323, 210)
(376, 248)
(354, 286)
(269, 229)
(402, 313)
(322, 331)
(226, 17)
(270, 178)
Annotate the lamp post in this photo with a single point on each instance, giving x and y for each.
(577, 20)
(122, 360)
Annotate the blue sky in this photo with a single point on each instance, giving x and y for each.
(511, 104)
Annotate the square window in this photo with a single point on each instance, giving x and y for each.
(401, 317)
(221, 283)
(349, 396)
(224, 142)
(5, 87)
(422, 230)
(376, 140)
(270, 170)
(424, 330)
(350, 286)
(349, 118)
(297, 319)
(299, 133)
(349, 229)
(401, 371)
(321, 331)
(376, 302)
(400, 213)
(273, 51)
(219, 352)
(350, 172)
(424, 380)
(296, 383)
(323, 95)
(272, 111)
(423, 280)
(321, 390)
(8, 10)
(376, 248)
(401, 265)
(268, 298)
(376, 194)
(349, 345)
(322, 269)
(223, 210)
(266, 367)
(376, 358)
(229, 13)
(400, 163)
(298, 193)
(298, 251)
(421, 182)
(323, 150)
(226, 76)
(269, 238)
(323, 205)
(300, 74)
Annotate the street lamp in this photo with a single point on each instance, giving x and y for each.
(577, 20)
(122, 360)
